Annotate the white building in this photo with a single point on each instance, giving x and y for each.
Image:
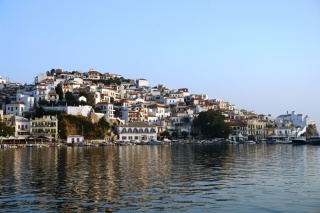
(26, 99)
(158, 110)
(22, 127)
(296, 119)
(2, 81)
(41, 92)
(137, 131)
(74, 139)
(47, 127)
(79, 110)
(82, 98)
(172, 101)
(142, 82)
(106, 108)
(16, 108)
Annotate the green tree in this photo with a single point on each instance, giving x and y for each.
(175, 134)
(59, 91)
(211, 124)
(6, 130)
(43, 102)
(185, 120)
(184, 134)
(311, 130)
(52, 71)
(89, 97)
(116, 112)
(193, 134)
(69, 97)
(103, 123)
(165, 134)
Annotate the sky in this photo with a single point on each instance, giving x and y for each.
(258, 55)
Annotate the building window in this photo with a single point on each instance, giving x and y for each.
(18, 126)
(146, 130)
(130, 130)
(124, 130)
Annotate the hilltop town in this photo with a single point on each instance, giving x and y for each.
(134, 109)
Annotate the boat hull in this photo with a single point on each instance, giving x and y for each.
(314, 141)
(299, 142)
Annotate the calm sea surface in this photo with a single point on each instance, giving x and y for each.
(174, 178)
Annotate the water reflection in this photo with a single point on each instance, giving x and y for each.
(219, 178)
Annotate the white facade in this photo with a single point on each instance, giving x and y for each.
(74, 139)
(142, 82)
(134, 114)
(41, 92)
(47, 126)
(42, 76)
(159, 111)
(106, 108)
(22, 127)
(80, 110)
(27, 100)
(16, 108)
(173, 100)
(82, 98)
(2, 81)
(296, 119)
(137, 131)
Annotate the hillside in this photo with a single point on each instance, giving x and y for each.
(79, 125)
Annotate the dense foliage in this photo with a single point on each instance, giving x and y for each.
(211, 124)
(79, 125)
(5, 129)
(311, 130)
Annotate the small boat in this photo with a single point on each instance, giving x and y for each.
(314, 140)
(154, 142)
(195, 142)
(249, 142)
(299, 140)
(33, 145)
(275, 141)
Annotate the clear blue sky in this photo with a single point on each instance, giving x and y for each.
(259, 55)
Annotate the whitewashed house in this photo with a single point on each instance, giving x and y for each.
(74, 139)
(158, 110)
(22, 127)
(137, 131)
(106, 108)
(16, 108)
(26, 99)
(141, 82)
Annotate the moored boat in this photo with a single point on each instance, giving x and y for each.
(249, 142)
(154, 142)
(314, 140)
(299, 140)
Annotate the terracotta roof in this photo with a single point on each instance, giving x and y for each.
(102, 103)
(235, 123)
(16, 102)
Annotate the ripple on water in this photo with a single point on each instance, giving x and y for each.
(258, 178)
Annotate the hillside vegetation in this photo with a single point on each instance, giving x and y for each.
(79, 125)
